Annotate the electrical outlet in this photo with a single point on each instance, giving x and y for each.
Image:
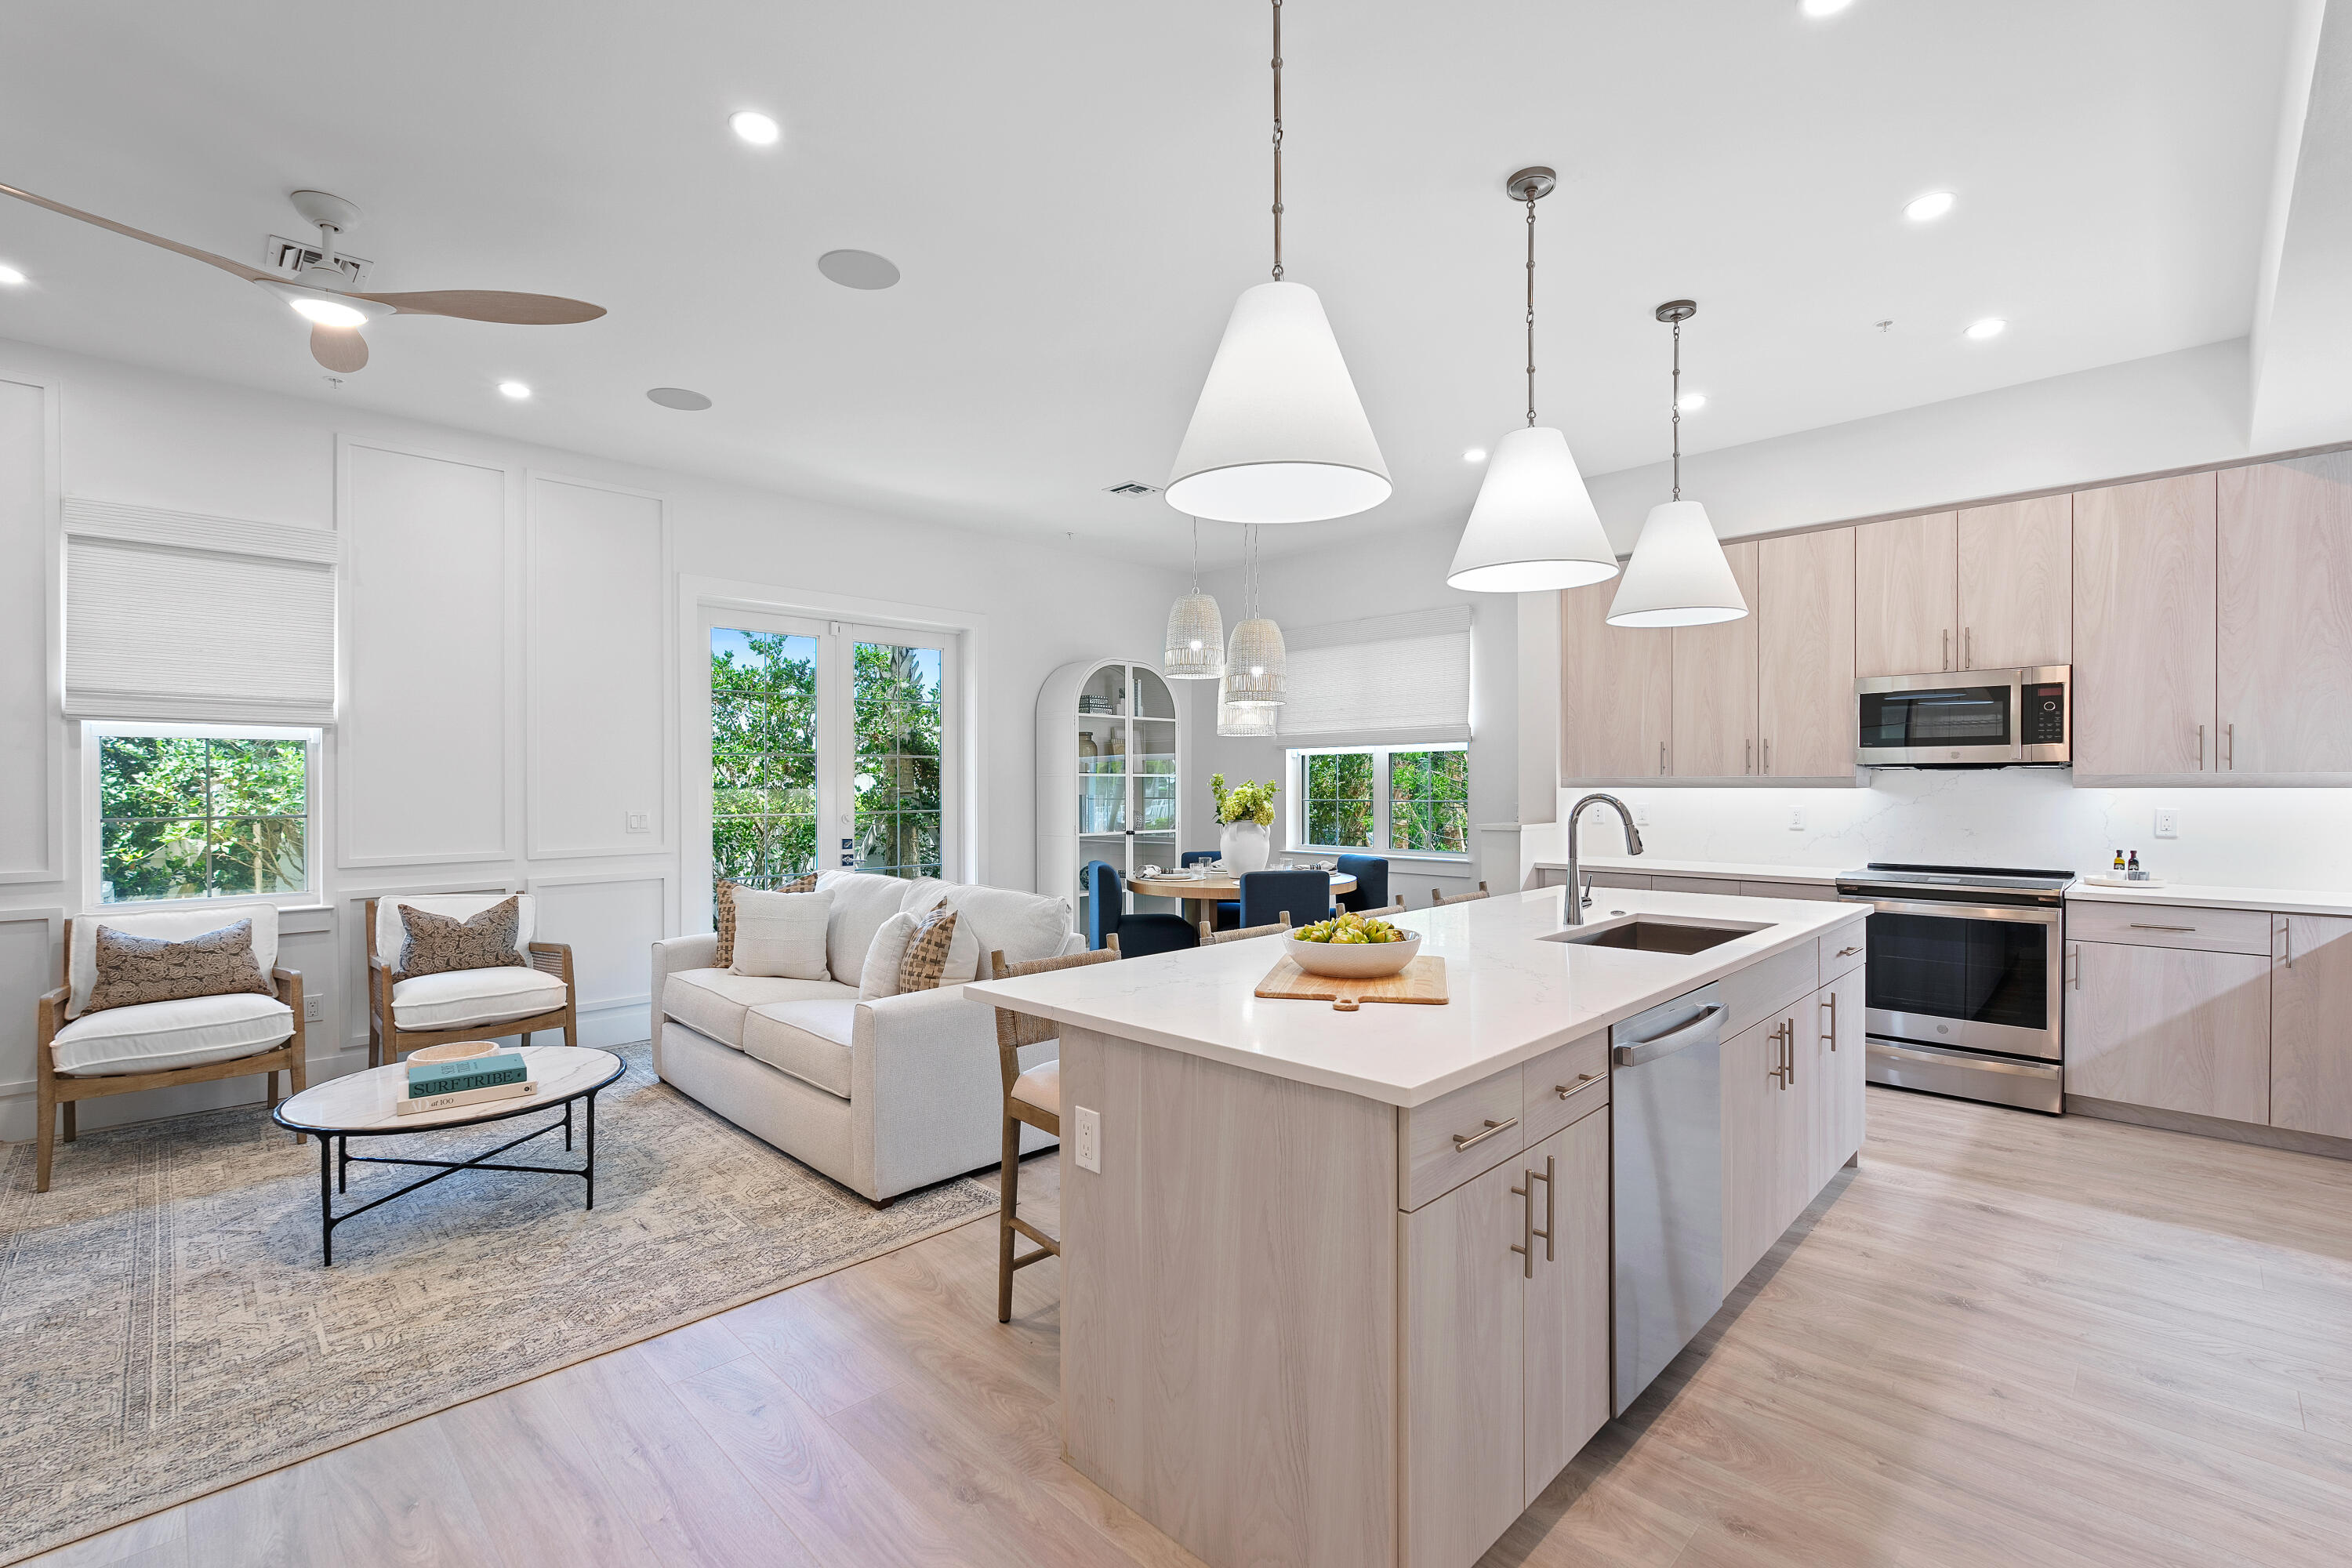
(1796, 819)
(2168, 822)
(640, 821)
(1086, 1128)
(314, 1009)
(1641, 814)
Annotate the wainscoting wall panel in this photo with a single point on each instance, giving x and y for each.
(32, 768)
(29, 943)
(612, 920)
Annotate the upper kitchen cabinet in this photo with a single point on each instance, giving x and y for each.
(1715, 686)
(1905, 594)
(1804, 604)
(1616, 690)
(2144, 634)
(2285, 619)
(2015, 600)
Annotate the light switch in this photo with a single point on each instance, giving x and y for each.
(2168, 822)
(1085, 1130)
(640, 821)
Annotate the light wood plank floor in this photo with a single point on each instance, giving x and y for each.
(2003, 1340)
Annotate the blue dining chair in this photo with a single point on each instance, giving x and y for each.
(1138, 934)
(1229, 911)
(1267, 896)
(1371, 874)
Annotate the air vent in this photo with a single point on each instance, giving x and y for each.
(290, 255)
(1133, 487)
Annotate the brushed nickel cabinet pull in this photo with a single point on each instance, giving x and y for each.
(1849, 951)
(2143, 925)
(1526, 1246)
(1768, 756)
(1969, 647)
(1662, 759)
(2200, 748)
(1748, 756)
(1948, 647)
(1550, 1256)
(1831, 1005)
(1779, 1071)
(1565, 1089)
(2229, 737)
(2287, 929)
(1468, 1140)
(1789, 1044)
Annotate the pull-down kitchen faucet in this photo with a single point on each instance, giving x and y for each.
(1577, 897)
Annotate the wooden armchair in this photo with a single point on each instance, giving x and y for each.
(467, 1004)
(56, 1090)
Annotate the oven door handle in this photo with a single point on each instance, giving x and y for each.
(2018, 914)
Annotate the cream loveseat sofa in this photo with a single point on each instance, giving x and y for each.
(886, 1095)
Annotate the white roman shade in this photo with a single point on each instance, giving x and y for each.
(1405, 674)
(176, 618)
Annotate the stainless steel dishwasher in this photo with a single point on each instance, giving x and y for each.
(1666, 1109)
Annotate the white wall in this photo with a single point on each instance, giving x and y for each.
(1381, 575)
(510, 668)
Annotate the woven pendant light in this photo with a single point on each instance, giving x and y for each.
(1246, 718)
(1195, 650)
(1254, 660)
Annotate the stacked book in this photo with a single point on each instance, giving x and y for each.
(468, 1080)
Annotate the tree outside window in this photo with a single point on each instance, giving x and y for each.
(900, 728)
(762, 756)
(1339, 800)
(1429, 802)
(199, 816)
(1401, 799)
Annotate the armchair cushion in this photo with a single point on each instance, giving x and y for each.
(170, 925)
(438, 944)
(809, 1040)
(713, 1001)
(458, 998)
(390, 936)
(155, 1036)
(133, 970)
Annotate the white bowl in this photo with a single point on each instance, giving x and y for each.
(1354, 960)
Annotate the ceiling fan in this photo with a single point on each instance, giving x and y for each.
(321, 293)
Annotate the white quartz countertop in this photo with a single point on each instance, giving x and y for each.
(1512, 995)
(1651, 865)
(2286, 901)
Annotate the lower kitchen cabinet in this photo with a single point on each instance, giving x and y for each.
(2171, 1028)
(1835, 1084)
(1507, 1336)
(2311, 1041)
(1792, 1114)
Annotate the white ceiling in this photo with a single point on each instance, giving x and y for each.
(1075, 193)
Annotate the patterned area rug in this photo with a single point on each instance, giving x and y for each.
(166, 1329)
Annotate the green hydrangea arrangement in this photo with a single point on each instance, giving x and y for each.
(1247, 801)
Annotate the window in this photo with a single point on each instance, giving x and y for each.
(201, 813)
(899, 729)
(763, 741)
(1407, 800)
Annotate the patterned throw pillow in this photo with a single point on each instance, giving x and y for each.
(723, 913)
(438, 944)
(136, 969)
(926, 956)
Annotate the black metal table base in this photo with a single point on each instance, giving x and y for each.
(335, 1164)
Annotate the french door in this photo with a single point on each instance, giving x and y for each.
(831, 745)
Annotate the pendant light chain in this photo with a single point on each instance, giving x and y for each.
(1532, 304)
(1679, 411)
(1277, 141)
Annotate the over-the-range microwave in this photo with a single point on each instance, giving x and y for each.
(1965, 718)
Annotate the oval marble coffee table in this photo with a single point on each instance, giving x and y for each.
(359, 1105)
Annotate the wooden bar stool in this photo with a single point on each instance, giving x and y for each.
(1437, 897)
(1034, 1097)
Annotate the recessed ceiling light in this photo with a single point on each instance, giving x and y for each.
(1691, 401)
(1929, 207)
(515, 389)
(754, 127)
(858, 268)
(1819, 9)
(1474, 455)
(9, 275)
(1991, 327)
(680, 398)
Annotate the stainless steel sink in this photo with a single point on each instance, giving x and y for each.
(1653, 933)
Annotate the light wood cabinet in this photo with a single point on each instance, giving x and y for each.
(2284, 617)
(2173, 1029)
(1715, 686)
(2014, 584)
(2143, 627)
(1906, 592)
(1616, 691)
(1805, 630)
(2311, 1025)
(1566, 1327)
(1764, 1154)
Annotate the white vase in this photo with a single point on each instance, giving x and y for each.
(1246, 846)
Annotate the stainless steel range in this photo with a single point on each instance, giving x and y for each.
(1962, 987)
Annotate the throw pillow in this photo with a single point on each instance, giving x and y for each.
(438, 943)
(723, 906)
(780, 935)
(136, 969)
(881, 972)
(926, 957)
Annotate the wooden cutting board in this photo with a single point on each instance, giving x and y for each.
(1422, 980)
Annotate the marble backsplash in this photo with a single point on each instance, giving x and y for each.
(2005, 816)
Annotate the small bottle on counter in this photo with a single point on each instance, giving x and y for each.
(2135, 873)
(2120, 862)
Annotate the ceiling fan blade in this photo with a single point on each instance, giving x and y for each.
(492, 305)
(236, 269)
(339, 349)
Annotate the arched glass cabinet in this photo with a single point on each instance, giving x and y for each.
(1110, 744)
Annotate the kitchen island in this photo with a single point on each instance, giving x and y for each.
(1341, 1291)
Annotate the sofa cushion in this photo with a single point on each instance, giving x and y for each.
(1020, 925)
(390, 936)
(926, 958)
(182, 1033)
(170, 925)
(861, 903)
(713, 1001)
(809, 1040)
(781, 934)
(461, 998)
(881, 977)
(1041, 1087)
(133, 970)
(722, 912)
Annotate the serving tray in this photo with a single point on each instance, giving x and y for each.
(1422, 980)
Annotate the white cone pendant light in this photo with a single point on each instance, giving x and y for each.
(1195, 649)
(1678, 576)
(1534, 527)
(1278, 435)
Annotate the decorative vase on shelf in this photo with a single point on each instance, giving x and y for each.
(1246, 846)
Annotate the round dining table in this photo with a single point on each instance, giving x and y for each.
(1201, 895)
